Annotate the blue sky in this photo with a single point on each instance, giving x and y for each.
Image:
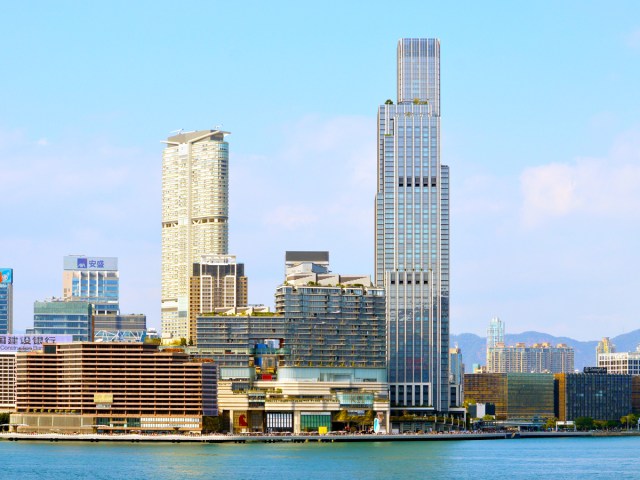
(540, 126)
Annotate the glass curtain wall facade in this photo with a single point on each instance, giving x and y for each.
(516, 396)
(495, 335)
(412, 231)
(6, 300)
(599, 396)
(92, 279)
(63, 318)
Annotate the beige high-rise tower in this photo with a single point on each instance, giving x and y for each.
(195, 210)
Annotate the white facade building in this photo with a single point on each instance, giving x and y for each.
(622, 362)
(195, 211)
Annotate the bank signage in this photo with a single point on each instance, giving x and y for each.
(600, 370)
(90, 263)
(28, 343)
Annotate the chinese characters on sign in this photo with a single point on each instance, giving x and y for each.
(24, 343)
(90, 263)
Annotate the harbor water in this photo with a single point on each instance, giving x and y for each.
(558, 458)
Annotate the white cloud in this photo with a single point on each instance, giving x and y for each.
(77, 196)
(573, 268)
(602, 187)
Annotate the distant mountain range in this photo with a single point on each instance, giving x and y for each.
(474, 347)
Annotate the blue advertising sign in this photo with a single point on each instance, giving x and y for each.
(81, 262)
(6, 275)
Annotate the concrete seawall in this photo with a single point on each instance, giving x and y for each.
(136, 438)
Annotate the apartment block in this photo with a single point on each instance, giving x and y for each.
(195, 213)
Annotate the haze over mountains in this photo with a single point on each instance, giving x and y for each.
(474, 347)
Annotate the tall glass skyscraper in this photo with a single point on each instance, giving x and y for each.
(412, 231)
(6, 300)
(195, 210)
(495, 335)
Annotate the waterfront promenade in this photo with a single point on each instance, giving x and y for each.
(282, 438)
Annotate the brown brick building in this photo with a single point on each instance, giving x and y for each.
(85, 387)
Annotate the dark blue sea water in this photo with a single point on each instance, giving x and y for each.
(559, 458)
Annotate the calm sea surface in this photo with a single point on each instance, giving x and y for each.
(559, 458)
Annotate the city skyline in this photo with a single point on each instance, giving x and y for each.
(541, 131)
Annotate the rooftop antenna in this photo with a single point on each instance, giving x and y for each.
(178, 132)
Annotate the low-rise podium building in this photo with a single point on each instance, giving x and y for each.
(318, 362)
(112, 387)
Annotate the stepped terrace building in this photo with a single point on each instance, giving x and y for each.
(318, 361)
(112, 387)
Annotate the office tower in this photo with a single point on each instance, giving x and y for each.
(522, 397)
(63, 317)
(6, 300)
(195, 210)
(495, 334)
(412, 231)
(495, 337)
(598, 395)
(218, 281)
(92, 279)
(456, 377)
